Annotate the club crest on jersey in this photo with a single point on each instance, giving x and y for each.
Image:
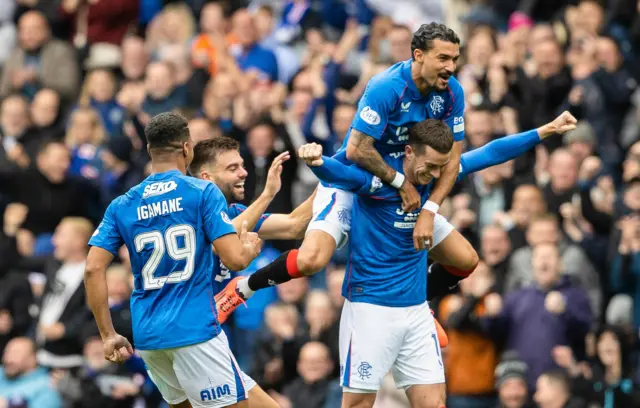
(370, 116)
(159, 188)
(364, 370)
(225, 217)
(376, 184)
(437, 105)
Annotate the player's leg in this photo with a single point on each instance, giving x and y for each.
(419, 369)
(185, 404)
(209, 374)
(370, 339)
(454, 257)
(427, 396)
(328, 230)
(160, 368)
(258, 398)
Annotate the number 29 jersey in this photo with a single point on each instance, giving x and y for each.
(168, 223)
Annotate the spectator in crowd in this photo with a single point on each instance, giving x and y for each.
(553, 390)
(533, 320)
(248, 53)
(46, 112)
(134, 59)
(261, 150)
(527, 204)
(48, 178)
(472, 354)
(63, 311)
(14, 124)
(85, 135)
(575, 263)
(22, 381)
(313, 388)
(611, 378)
(40, 61)
(277, 347)
(15, 299)
(496, 252)
(99, 93)
(99, 383)
(100, 22)
(511, 382)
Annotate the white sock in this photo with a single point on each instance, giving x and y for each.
(245, 290)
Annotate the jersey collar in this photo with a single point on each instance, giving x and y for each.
(412, 89)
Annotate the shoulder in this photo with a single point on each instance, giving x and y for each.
(236, 209)
(389, 80)
(195, 183)
(455, 87)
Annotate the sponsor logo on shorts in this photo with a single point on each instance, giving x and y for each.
(343, 216)
(364, 370)
(214, 392)
(370, 116)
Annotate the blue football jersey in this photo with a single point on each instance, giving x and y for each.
(222, 274)
(168, 223)
(383, 267)
(391, 104)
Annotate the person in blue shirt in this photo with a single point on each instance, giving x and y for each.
(386, 324)
(219, 161)
(168, 223)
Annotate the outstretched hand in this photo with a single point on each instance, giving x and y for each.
(274, 182)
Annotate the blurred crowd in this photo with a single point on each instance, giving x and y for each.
(551, 316)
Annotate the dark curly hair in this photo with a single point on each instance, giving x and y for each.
(424, 36)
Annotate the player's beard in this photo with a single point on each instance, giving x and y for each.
(232, 193)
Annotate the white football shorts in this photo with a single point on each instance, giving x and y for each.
(332, 214)
(206, 374)
(377, 339)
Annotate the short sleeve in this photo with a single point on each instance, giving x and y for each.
(216, 220)
(455, 119)
(107, 236)
(374, 108)
(237, 209)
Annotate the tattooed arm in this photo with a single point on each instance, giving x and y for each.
(361, 151)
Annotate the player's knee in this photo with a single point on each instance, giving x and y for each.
(469, 259)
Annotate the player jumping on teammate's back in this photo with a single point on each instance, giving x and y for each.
(403, 95)
(440, 281)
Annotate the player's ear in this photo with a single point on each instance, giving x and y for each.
(408, 150)
(418, 55)
(149, 149)
(185, 149)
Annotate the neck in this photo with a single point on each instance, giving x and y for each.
(407, 174)
(421, 84)
(162, 167)
(613, 373)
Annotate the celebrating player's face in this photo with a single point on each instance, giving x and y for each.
(427, 165)
(439, 63)
(229, 175)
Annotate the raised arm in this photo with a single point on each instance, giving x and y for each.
(255, 211)
(329, 170)
(509, 147)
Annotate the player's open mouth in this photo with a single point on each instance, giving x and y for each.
(444, 77)
(239, 186)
